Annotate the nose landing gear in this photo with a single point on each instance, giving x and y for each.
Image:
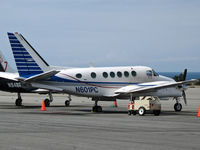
(177, 106)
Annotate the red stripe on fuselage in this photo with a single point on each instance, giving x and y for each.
(86, 82)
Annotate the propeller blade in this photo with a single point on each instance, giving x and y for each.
(185, 74)
(184, 97)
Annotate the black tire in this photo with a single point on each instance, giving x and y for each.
(156, 112)
(129, 112)
(95, 109)
(141, 111)
(47, 102)
(18, 102)
(177, 107)
(67, 103)
(99, 109)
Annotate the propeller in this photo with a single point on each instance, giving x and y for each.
(183, 91)
(184, 97)
(185, 74)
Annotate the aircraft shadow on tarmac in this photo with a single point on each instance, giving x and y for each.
(106, 112)
(86, 110)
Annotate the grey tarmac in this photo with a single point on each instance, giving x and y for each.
(77, 128)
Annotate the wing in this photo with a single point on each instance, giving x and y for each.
(150, 86)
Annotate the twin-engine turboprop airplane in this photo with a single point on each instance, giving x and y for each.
(99, 83)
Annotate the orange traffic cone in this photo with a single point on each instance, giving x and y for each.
(115, 103)
(198, 115)
(43, 108)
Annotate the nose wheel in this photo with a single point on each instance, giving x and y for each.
(177, 107)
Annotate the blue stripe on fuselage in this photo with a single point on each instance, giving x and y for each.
(58, 79)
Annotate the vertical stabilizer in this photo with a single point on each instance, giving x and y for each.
(27, 60)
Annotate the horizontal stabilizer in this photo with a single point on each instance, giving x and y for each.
(42, 76)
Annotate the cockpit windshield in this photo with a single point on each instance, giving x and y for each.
(155, 73)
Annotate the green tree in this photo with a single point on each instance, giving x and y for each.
(178, 78)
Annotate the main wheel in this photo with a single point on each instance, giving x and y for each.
(67, 103)
(141, 111)
(177, 107)
(18, 102)
(47, 102)
(97, 109)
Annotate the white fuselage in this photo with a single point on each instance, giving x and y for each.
(104, 81)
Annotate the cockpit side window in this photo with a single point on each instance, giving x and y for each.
(149, 73)
(155, 73)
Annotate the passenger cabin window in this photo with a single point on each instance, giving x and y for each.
(149, 73)
(112, 74)
(133, 73)
(78, 75)
(93, 75)
(155, 73)
(119, 74)
(126, 74)
(105, 74)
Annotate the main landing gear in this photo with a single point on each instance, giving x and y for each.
(177, 105)
(67, 102)
(48, 101)
(96, 108)
(18, 101)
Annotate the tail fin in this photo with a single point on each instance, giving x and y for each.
(4, 65)
(27, 60)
